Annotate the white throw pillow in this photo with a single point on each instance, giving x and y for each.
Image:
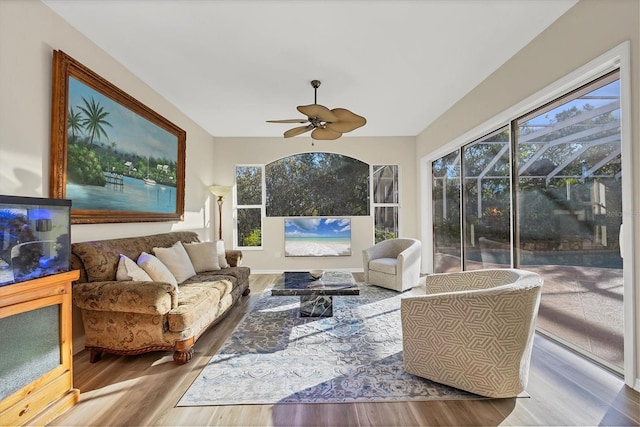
(176, 260)
(129, 270)
(156, 269)
(222, 258)
(203, 255)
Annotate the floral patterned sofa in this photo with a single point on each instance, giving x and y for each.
(131, 316)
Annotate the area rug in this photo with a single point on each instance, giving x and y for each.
(275, 356)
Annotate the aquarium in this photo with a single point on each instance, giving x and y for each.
(34, 238)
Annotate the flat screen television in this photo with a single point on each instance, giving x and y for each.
(317, 237)
(34, 238)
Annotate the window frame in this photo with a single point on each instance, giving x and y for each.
(375, 204)
(236, 207)
(617, 58)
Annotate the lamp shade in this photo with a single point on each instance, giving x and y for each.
(220, 190)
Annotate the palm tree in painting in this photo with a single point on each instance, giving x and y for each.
(74, 122)
(94, 120)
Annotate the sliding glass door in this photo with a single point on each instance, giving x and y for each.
(447, 224)
(486, 171)
(544, 193)
(569, 214)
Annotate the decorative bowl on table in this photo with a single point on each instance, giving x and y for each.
(316, 274)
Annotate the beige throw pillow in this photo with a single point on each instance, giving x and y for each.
(203, 255)
(222, 258)
(176, 260)
(156, 269)
(129, 270)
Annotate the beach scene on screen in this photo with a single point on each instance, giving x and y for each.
(317, 237)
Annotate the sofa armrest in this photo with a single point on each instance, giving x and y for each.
(473, 279)
(127, 296)
(234, 257)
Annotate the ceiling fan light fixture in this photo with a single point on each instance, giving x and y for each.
(326, 124)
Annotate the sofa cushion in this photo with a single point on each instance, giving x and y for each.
(384, 265)
(156, 269)
(203, 255)
(233, 274)
(176, 260)
(194, 303)
(129, 270)
(223, 285)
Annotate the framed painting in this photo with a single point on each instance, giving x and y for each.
(317, 237)
(113, 157)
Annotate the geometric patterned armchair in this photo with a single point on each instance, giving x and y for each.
(393, 263)
(473, 330)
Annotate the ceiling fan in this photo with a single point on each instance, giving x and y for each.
(326, 124)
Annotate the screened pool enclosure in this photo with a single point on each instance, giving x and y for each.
(544, 193)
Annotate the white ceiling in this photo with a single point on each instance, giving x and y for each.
(232, 64)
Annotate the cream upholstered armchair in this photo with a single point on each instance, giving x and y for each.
(473, 330)
(393, 263)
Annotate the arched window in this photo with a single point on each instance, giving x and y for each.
(314, 185)
(317, 184)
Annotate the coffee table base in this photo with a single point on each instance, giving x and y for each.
(316, 306)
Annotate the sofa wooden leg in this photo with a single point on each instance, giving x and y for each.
(182, 357)
(94, 356)
(246, 292)
(183, 351)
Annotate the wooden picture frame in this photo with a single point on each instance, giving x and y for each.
(113, 157)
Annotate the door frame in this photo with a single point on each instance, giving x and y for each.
(617, 58)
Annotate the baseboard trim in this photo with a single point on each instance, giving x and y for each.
(280, 271)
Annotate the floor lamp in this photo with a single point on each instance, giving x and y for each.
(220, 191)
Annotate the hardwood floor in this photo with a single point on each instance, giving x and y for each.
(565, 390)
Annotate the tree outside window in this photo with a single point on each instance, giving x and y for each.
(385, 201)
(317, 184)
(249, 206)
(312, 185)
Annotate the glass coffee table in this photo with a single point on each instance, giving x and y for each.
(316, 295)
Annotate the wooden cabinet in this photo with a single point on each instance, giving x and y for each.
(36, 366)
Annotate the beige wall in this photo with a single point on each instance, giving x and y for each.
(391, 150)
(585, 32)
(29, 32)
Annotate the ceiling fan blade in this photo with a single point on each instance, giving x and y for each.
(297, 131)
(325, 133)
(288, 121)
(347, 121)
(319, 111)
